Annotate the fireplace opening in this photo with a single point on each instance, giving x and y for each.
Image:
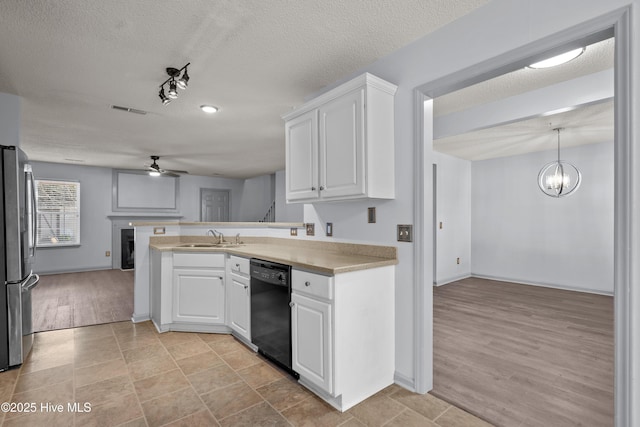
(127, 249)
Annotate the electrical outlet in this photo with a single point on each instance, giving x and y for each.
(294, 231)
(311, 229)
(405, 233)
(371, 215)
(158, 230)
(107, 253)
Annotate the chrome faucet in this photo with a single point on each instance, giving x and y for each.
(238, 239)
(217, 234)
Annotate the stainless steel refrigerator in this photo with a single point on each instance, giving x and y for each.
(17, 234)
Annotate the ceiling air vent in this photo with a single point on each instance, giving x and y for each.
(128, 110)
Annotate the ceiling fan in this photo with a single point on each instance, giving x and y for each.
(155, 170)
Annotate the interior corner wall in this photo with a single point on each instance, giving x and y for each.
(292, 212)
(453, 218)
(519, 234)
(257, 197)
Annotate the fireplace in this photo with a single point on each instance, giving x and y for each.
(127, 249)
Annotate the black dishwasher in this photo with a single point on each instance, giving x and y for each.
(270, 311)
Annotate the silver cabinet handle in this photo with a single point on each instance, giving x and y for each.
(246, 286)
(291, 304)
(307, 283)
(238, 266)
(313, 188)
(321, 187)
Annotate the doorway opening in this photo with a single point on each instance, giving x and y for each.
(621, 264)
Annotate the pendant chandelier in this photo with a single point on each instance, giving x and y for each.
(559, 178)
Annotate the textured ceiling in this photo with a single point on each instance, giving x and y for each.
(584, 124)
(70, 60)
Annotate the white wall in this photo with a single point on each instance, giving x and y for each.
(95, 227)
(9, 119)
(96, 206)
(453, 210)
(292, 212)
(521, 235)
(257, 196)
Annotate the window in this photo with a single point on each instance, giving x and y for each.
(58, 210)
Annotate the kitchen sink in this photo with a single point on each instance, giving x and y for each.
(209, 245)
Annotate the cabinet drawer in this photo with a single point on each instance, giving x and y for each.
(198, 259)
(239, 265)
(312, 284)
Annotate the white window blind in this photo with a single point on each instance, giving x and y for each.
(58, 213)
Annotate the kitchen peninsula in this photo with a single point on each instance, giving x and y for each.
(342, 298)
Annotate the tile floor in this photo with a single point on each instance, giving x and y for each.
(129, 375)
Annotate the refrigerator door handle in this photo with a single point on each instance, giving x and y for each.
(31, 283)
(33, 215)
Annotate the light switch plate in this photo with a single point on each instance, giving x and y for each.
(405, 233)
(311, 229)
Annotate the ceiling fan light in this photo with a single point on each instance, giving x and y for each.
(563, 58)
(173, 92)
(154, 173)
(209, 109)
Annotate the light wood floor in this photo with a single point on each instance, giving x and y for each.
(518, 355)
(70, 300)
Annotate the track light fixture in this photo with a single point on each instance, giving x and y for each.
(174, 84)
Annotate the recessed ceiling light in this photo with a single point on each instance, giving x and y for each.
(210, 109)
(558, 59)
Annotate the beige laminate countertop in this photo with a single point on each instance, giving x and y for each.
(320, 257)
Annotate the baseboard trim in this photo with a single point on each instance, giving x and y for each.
(404, 381)
(452, 279)
(542, 285)
(137, 318)
(77, 270)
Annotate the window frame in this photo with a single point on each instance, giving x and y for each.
(60, 243)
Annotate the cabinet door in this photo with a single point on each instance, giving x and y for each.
(312, 341)
(198, 296)
(342, 162)
(302, 156)
(239, 308)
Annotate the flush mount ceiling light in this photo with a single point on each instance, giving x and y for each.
(209, 109)
(174, 84)
(558, 59)
(559, 178)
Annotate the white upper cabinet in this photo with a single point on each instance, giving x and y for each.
(340, 145)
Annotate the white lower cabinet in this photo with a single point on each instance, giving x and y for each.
(343, 336)
(198, 296)
(239, 296)
(311, 341)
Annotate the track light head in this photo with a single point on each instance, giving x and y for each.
(183, 81)
(163, 97)
(173, 92)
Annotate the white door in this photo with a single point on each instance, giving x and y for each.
(342, 146)
(302, 156)
(311, 341)
(198, 296)
(214, 205)
(239, 308)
